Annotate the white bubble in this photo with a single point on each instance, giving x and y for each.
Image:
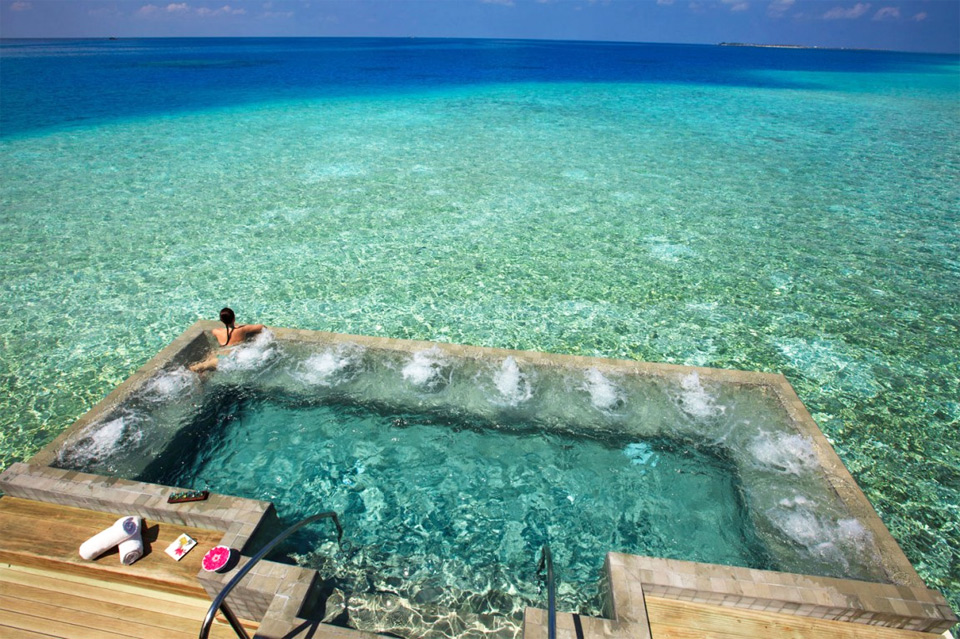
(171, 384)
(252, 355)
(331, 367)
(792, 454)
(426, 369)
(695, 400)
(513, 384)
(604, 394)
(830, 540)
(102, 439)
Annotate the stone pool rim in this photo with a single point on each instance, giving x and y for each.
(197, 341)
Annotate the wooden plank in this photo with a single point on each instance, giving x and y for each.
(86, 587)
(18, 633)
(39, 517)
(674, 619)
(144, 614)
(54, 627)
(101, 574)
(82, 604)
(40, 535)
(117, 622)
(82, 591)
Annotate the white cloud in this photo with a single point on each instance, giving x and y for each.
(920, 17)
(854, 12)
(737, 5)
(887, 13)
(225, 10)
(182, 9)
(778, 8)
(665, 2)
(506, 3)
(278, 14)
(21, 6)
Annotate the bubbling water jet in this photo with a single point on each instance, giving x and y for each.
(604, 394)
(513, 384)
(427, 370)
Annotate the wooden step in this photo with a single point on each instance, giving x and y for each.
(48, 536)
(18, 633)
(41, 603)
(675, 619)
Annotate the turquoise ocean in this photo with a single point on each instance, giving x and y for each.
(795, 211)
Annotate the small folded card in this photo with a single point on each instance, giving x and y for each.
(181, 546)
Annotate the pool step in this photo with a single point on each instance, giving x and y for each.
(389, 613)
(875, 606)
(675, 619)
(535, 627)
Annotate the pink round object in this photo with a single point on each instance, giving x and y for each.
(216, 559)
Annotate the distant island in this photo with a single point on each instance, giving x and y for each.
(766, 46)
(792, 46)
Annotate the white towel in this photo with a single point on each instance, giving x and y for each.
(122, 530)
(131, 549)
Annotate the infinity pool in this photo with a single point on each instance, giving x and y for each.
(450, 473)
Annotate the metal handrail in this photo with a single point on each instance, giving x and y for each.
(219, 603)
(547, 560)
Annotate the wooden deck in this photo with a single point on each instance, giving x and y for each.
(40, 603)
(48, 590)
(674, 619)
(48, 536)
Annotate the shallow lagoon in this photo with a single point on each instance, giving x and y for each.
(783, 211)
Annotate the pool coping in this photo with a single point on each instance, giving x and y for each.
(196, 342)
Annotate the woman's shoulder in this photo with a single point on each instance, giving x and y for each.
(220, 334)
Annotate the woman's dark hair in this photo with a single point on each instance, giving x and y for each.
(228, 318)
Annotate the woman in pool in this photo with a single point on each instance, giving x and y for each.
(227, 337)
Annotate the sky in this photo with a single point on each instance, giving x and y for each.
(904, 25)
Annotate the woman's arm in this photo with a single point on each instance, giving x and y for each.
(249, 329)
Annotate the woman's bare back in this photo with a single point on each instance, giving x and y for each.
(236, 335)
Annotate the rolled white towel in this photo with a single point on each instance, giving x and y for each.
(131, 549)
(122, 530)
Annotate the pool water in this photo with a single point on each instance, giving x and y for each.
(437, 501)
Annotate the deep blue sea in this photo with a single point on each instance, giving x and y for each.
(764, 209)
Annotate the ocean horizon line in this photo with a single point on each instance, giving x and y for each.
(722, 43)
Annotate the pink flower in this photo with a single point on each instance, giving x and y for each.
(216, 558)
